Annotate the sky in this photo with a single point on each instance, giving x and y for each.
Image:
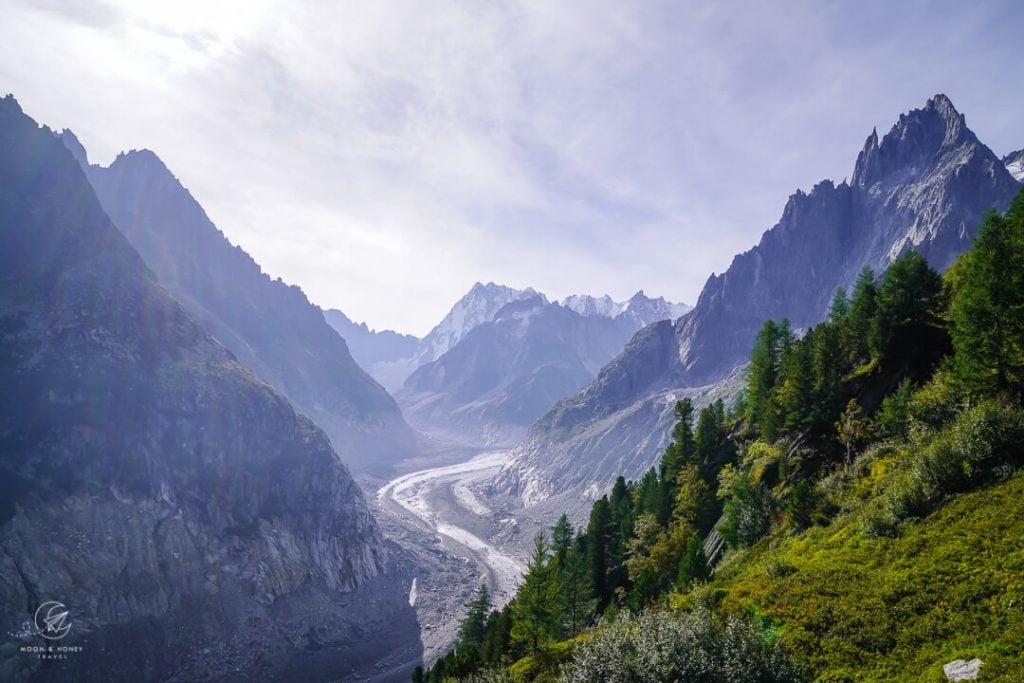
(384, 156)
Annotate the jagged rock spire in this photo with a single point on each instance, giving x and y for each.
(918, 136)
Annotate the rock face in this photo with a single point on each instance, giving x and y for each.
(1014, 163)
(271, 327)
(193, 524)
(924, 186)
(477, 307)
(506, 372)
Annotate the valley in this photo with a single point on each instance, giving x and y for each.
(443, 500)
(452, 538)
(374, 364)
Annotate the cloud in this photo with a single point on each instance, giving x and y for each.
(384, 156)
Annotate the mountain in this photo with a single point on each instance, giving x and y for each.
(642, 309)
(1014, 163)
(477, 307)
(506, 372)
(193, 524)
(370, 347)
(924, 186)
(381, 351)
(271, 327)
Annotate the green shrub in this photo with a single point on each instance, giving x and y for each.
(682, 647)
(984, 443)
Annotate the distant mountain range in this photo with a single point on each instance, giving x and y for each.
(499, 358)
(391, 357)
(504, 373)
(270, 326)
(193, 524)
(924, 186)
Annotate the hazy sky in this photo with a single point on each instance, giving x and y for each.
(386, 155)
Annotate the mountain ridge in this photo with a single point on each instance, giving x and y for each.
(269, 325)
(169, 497)
(925, 186)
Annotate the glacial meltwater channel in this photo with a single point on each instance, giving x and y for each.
(414, 492)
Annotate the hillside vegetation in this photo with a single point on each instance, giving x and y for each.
(861, 504)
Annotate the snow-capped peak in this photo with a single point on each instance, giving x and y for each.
(1014, 162)
(639, 306)
(478, 306)
(588, 306)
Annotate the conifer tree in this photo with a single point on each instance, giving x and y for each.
(762, 375)
(576, 599)
(694, 565)
(561, 540)
(598, 535)
(679, 452)
(829, 362)
(839, 308)
(471, 631)
(534, 618)
(863, 305)
(988, 307)
(909, 304)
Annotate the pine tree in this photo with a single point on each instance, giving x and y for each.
(680, 451)
(498, 639)
(829, 363)
(471, 631)
(578, 603)
(909, 304)
(839, 308)
(795, 392)
(599, 542)
(534, 619)
(988, 307)
(863, 305)
(710, 436)
(694, 565)
(561, 539)
(893, 418)
(762, 375)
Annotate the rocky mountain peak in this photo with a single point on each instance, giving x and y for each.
(479, 305)
(74, 146)
(915, 139)
(10, 105)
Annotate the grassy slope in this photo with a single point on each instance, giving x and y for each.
(896, 609)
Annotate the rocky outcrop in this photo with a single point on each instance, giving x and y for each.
(192, 523)
(1014, 162)
(962, 670)
(271, 327)
(924, 186)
